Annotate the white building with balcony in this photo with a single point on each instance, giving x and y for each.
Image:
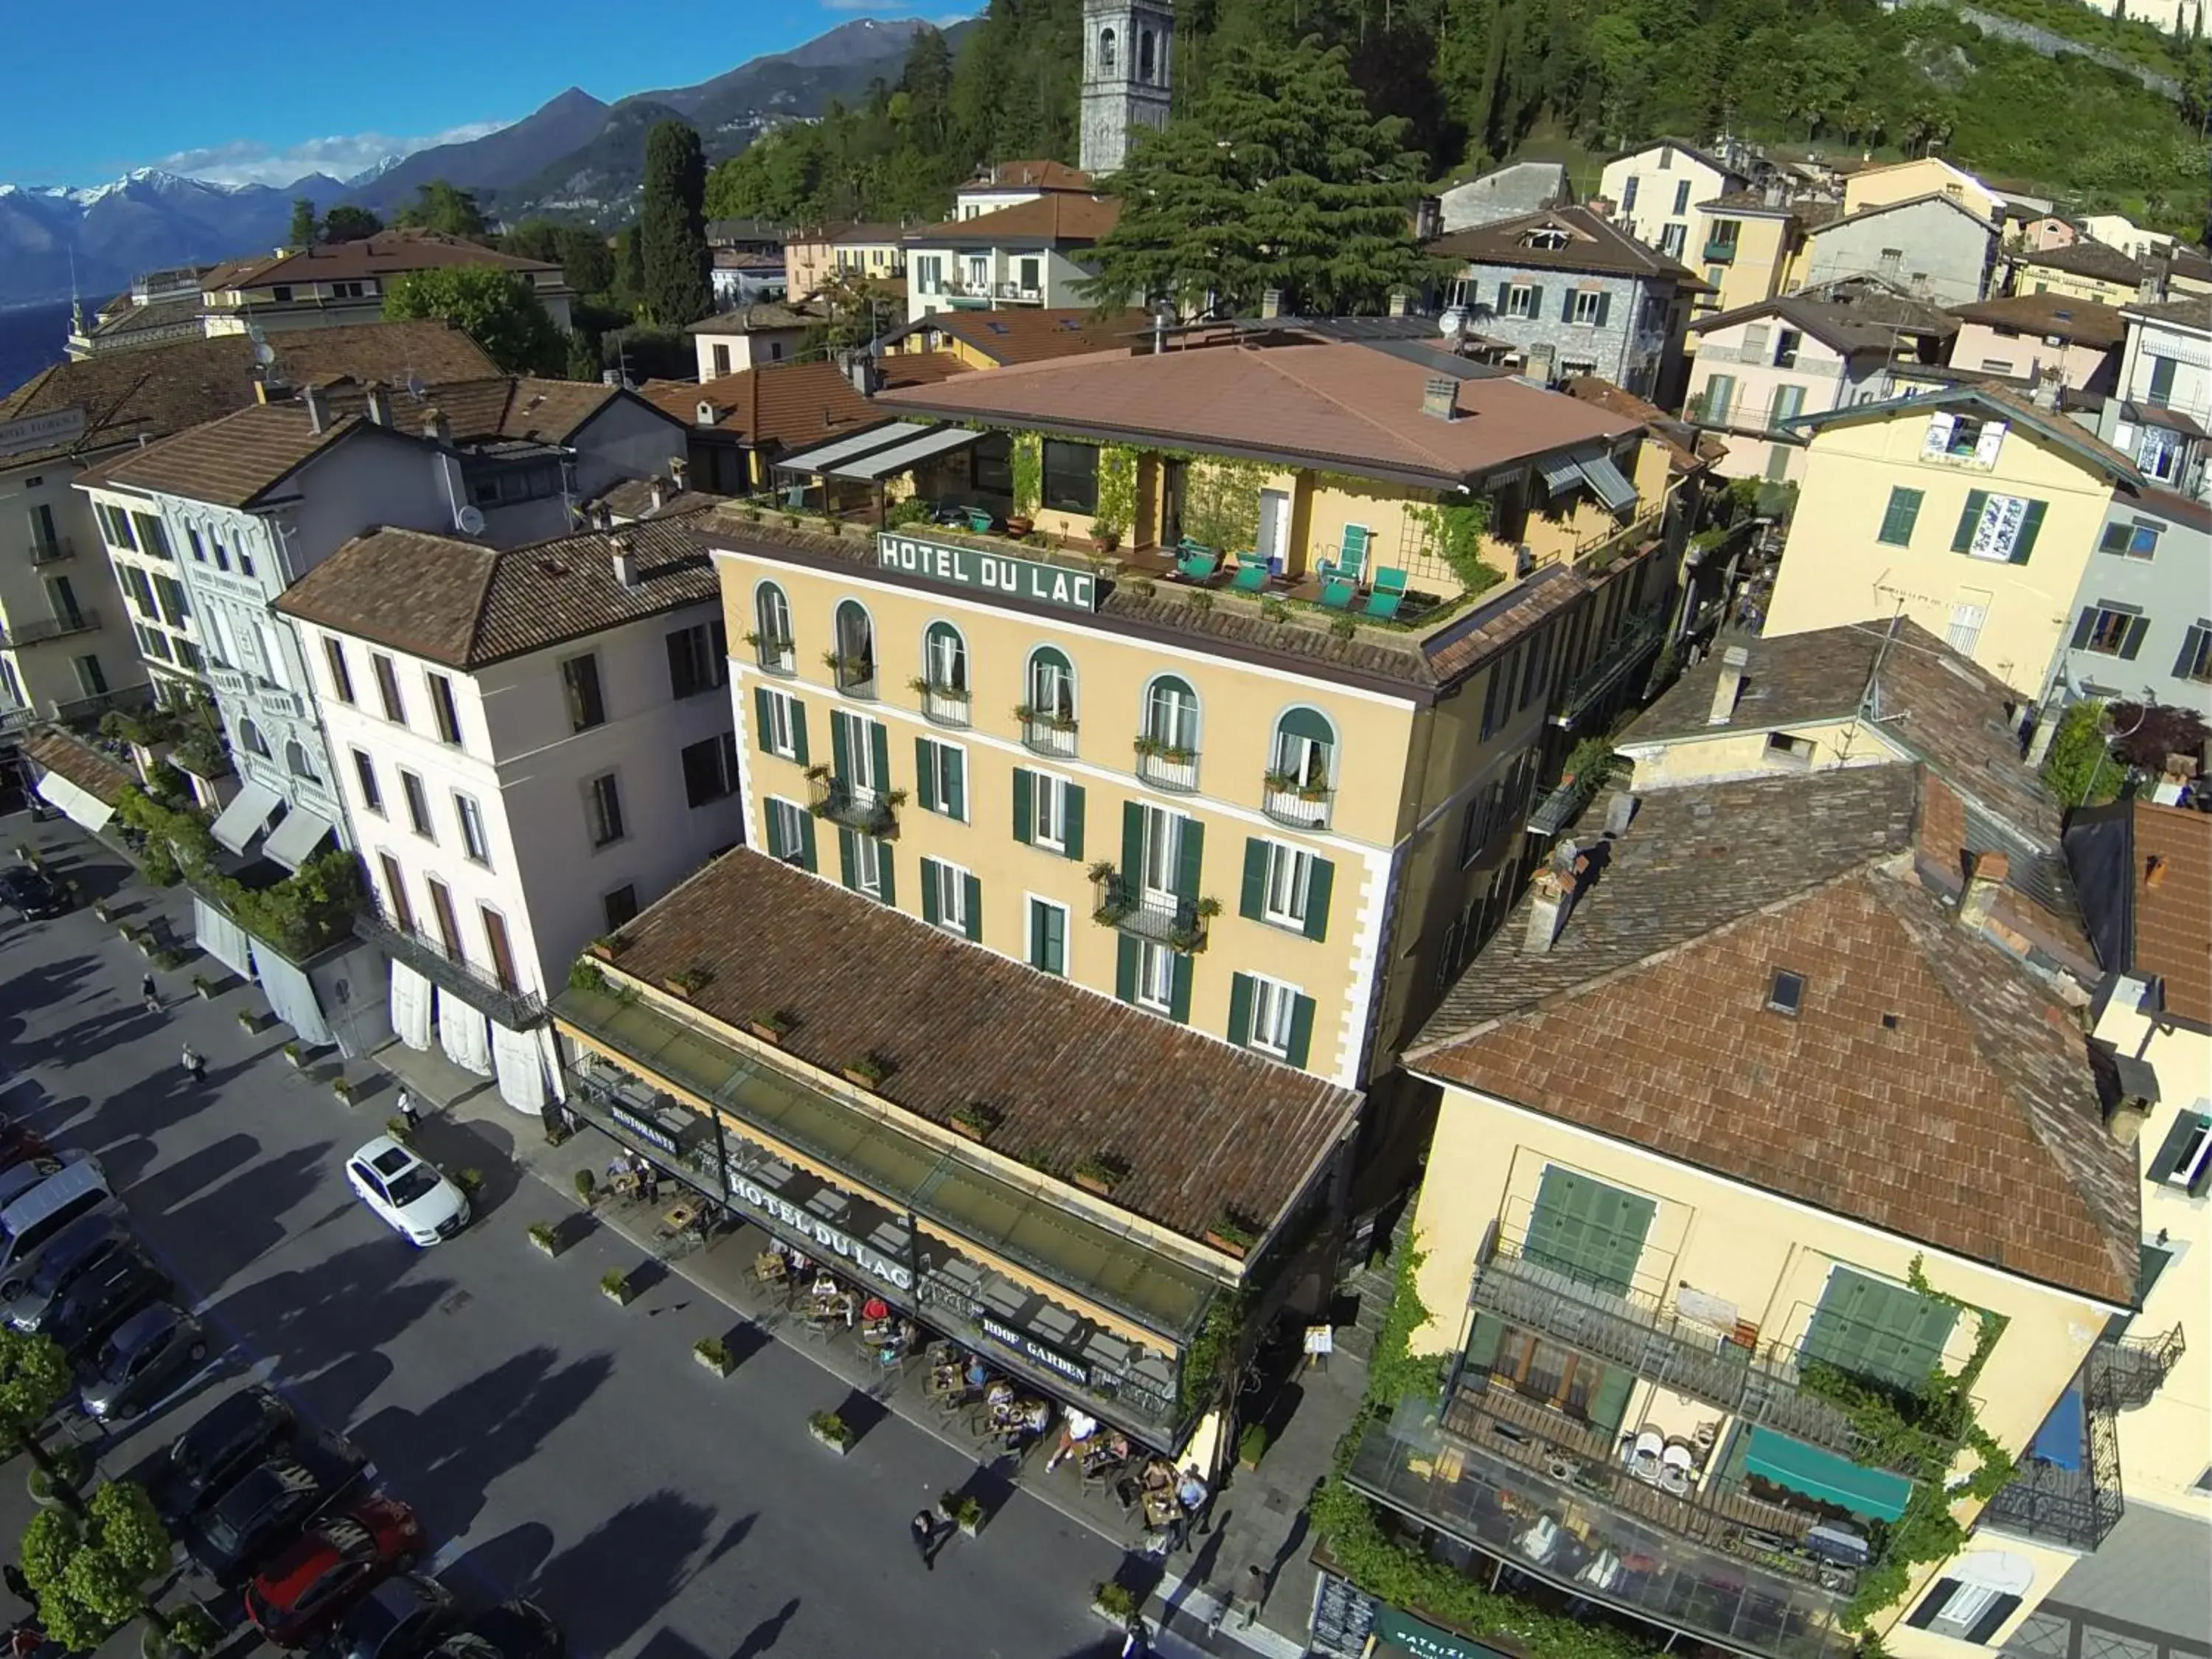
(1033, 253)
(2162, 412)
(531, 746)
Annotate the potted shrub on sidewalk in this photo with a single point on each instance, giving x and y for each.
(963, 1511)
(614, 1284)
(546, 1237)
(832, 1431)
(1115, 1603)
(715, 1354)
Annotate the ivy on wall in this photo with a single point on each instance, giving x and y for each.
(1027, 463)
(300, 914)
(1221, 499)
(1455, 531)
(1117, 492)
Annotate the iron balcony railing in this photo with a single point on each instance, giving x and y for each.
(41, 629)
(479, 986)
(2123, 1375)
(870, 811)
(53, 550)
(1166, 766)
(1161, 918)
(2073, 1499)
(1305, 806)
(1048, 734)
(1636, 639)
(79, 710)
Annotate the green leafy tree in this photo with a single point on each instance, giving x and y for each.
(1279, 179)
(630, 269)
(672, 227)
(587, 261)
(305, 231)
(350, 224)
(497, 309)
(35, 1379)
(584, 362)
(94, 1569)
(2079, 767)
(444, 208)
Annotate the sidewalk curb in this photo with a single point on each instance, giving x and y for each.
(1174, 1593)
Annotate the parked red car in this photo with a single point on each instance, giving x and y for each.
(304, 1590)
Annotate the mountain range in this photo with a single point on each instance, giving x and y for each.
(574, 157)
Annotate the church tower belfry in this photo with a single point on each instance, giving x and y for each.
(1128, 53)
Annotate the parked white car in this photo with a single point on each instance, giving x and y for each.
(407, 1195)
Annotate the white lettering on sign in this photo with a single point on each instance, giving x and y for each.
(29, 432)
(1051, 1359)
(998, 573)
(821, 1233)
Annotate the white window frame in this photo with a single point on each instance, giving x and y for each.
(936, 750)
(786, 823)
(867, 866)
(2185, 1173)
(1048, 812)
(1964, 1608)
(1278, 1003)
(1163, 850)
(475, 843)
(860, 756)
(951, 895)
(1587, 301)
(416, 797)
(780, 737)
(1299, 863)
(1155, 976)
(365, 779)
(1029, 903)
(1045, 679)
(593, 816)
(1521, 300)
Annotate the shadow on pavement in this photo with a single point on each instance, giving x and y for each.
(618, 1579)
(497, 1568)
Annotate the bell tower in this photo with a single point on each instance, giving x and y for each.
(1128, 53)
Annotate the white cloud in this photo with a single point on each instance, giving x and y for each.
(245, 163)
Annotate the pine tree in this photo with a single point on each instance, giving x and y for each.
(672, 227)
(304, 233)
(350, 224)
(1278, 177)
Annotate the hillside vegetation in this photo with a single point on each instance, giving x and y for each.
(1474, 78)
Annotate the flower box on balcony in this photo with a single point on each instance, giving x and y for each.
(868, 1071)
(973, 1121)
(769, 1027)
(1100, 1174)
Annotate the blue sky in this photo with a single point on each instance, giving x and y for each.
(148, 83)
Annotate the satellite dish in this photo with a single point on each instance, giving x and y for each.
(258, 334)
(472, 522)
(263, 353)
(1452, 324)
(415, 387)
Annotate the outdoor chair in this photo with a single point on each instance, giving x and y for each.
(1197, 564)
(1251, 576)
(1388, 593)
(981, 520)
(1675, 1465)
(1350, 559)
(1644, 1456)
(1336, 595)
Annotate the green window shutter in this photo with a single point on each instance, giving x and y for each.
(1240, 1010)
(929, 892)
(1604, 305)
(807, 856)
(799, 732)
(840, 742)
(1302, 1019)
(1885, 1332)
(1252, 904)
(1179, 996)
(1072, 837)
(845, 857)
(1125, 968)
(1190, 859)
(1133, 841)
(1482, 1341)
(2133, 643)
(955, 804)
(884, 863)
(1608, 1401)
(1024, 804)
(2174, 1147)
(975, 895)
(925, 775)
(1898, 517)
(1535, 300)
(2030, 525)
(1319, 882)
(760, 717)
(880, 746)
(1505, 293)
(1047, 937)
(1963, 537)
(1589, 1230)
(2084, 627)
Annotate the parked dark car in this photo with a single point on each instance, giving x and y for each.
(30, 894)
(19, 1141)
(142, 1359)
(72, 1253)
(266, 1508)
(213, 1453)
(92, 1307)
(513, 1630)
(402, 1617)
(305, 1591)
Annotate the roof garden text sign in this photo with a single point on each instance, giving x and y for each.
(992, 573)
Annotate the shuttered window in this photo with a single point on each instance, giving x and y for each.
(2185, 1157)
(1048, 812)
(952, 899)
(1897, 519)
(1271, 1017)
(940, 772)
(1286, 886)
(1589, 1230)
(1885, 1332)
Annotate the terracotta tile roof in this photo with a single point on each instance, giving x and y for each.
(1748, 201)
(465, 606)
(1056, 217)
(1676, 436)
(81, 763)
(388, 254)
(633, 499)
(128, 319)
(2172, 879)
(1203, 1126)
(513, 407)
(230, 461)
(1973, 1125)
(1030, 175)
(760, 314)
(2086, 257)
(1021, 334)
(2083, 322)
(1341, 406)
(2179, 314)
(1593, 243)
(165, 388)
(1866, 322)
(794, 403)
(858, 231)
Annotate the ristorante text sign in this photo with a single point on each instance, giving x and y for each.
(994, 573)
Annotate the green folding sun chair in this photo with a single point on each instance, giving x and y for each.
(1251, 576)
(1337, 595)
(1389, 595)
(1350, 559)
(1197, 564)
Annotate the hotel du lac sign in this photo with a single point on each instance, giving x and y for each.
(994, 573)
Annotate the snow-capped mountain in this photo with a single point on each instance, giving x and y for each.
(375, 171)
(99, 237)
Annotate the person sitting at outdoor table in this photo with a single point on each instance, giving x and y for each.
(977, 1373)
(1159, 1475)
(999, 1397)
(770, 1267)
(1074, 1434)
(1025, 1422)
(1105, 1454)
(1190, 1502)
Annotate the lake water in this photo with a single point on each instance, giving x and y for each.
(32, 338)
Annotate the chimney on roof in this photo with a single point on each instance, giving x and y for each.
(1988, 875)
(1771, 194)
(660, 496)
(379, 405)
(1620, 813)
(1400, 302)
(1271, 303)
(1440, 397)
(1729, 686)
(2049, 383)
(2154, 870)
(1551, 896)
(261, 387)
(860, 368)
(436, 426)
(319, 408)
(678, 469)
(625, 562)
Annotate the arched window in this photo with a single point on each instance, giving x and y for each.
(1145, 58)
(1305, 748)
(1047, 710)
(296, 761)
(771, 641)
(249, 738)
(944, 658)
(854, 659)
(1171, 716)
(1106, 52)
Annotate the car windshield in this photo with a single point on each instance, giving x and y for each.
(56, 1265)
(418, 1182)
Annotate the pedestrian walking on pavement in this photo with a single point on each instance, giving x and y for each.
(928, 1537)
(408, 1115)
(150, 994)
(194, 1063)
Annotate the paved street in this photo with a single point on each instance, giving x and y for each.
(556, 1445)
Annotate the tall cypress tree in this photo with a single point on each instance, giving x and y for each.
(672, 228)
